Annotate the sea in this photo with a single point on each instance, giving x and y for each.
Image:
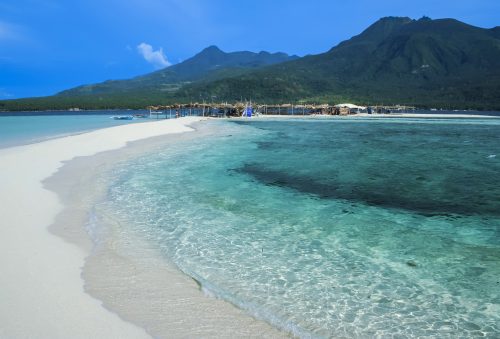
(20, 128)
(339, 227)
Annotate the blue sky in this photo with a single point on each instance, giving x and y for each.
(47, 45)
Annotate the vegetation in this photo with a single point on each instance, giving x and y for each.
(428, 63)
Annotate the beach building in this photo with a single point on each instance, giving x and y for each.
(345, 109)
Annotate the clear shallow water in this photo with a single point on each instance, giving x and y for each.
(20, 129)
(348, 227)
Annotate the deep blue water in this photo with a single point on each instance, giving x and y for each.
(346, 227)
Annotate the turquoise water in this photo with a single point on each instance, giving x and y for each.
(26, 129)
(345, 227)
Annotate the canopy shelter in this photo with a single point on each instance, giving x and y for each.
(350, 106)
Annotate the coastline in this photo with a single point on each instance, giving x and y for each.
(125, 272)
(119, 290)
(428, 115)
(375, 116)
(41, 288)
(52, 288)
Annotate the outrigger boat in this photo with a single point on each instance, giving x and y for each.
(122, 117)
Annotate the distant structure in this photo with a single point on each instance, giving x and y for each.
(237, 109)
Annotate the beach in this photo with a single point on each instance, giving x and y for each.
(169, 170)
(42, 287)
(218, 228)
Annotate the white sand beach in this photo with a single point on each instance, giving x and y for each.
(41, 289)
(51, 288)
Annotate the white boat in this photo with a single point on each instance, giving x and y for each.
(122, 117)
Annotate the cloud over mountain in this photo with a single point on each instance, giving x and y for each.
(157, 58)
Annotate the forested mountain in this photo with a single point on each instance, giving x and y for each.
(428, 63)
(425, 62)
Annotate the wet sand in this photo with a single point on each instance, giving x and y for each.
(55, 288)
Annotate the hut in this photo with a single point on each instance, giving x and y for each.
(345, 109)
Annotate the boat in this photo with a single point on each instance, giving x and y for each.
(122, 117)
(141, 116)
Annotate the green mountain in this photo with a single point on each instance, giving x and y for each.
(428, 63)
(211, 63)
(154, 88)
(444, 63)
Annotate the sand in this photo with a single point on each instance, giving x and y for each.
(41, 288)
(58, 283)
(51, 288)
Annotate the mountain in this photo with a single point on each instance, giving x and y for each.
(211, 63)
(397, 60)
(424, 62)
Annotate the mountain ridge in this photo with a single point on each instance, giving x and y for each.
(208, 63)
(396, 60)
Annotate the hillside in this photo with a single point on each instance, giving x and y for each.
(443, 63)
(428, 63)
(211, 63)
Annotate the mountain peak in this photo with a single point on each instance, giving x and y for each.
(377, 32)
(426, 62)
(211, 49)
(425, 18)
(394, 19)
(385, 26)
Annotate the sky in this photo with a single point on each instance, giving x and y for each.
(47, 45)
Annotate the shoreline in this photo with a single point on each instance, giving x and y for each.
(428, 115)
(130, 276)
(377, 116)
(41, 287)
(103, 286)
(50, 287)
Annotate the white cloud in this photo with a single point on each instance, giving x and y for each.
(156, 58)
